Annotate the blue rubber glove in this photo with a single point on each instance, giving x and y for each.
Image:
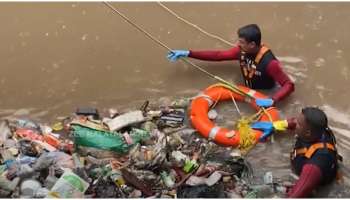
(266, 127)
(264, 102)
(176, 54)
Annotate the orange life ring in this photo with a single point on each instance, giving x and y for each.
(200, 107)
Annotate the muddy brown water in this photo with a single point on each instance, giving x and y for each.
(58, 56)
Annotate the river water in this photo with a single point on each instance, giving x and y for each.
(58, 56)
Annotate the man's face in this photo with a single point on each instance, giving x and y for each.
(302, 129)
(245, 46)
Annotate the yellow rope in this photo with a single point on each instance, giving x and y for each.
(247, 138)
(266, 113)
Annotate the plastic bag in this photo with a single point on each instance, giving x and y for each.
(88, 137)
(69, 185)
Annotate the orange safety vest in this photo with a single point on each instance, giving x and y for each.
(254, 71)
(308, 152)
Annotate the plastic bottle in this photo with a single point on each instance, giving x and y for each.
(117, 178)
(168, 181)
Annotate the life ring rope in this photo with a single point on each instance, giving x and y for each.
(260, 112)
(247, 136)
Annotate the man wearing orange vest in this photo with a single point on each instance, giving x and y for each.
(314, 157)
(260, 68)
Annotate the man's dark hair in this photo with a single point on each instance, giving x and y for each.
(316, 119)
(251, 33)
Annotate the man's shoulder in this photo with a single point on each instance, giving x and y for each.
(323, 158)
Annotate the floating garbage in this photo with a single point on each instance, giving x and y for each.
(88, 137)
(86, 111)
(5, 131)
(69, 185)
(148, 153)
(125, 120)
(29, 188)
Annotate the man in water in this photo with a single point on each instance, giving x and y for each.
(314, 157)
(259, 67)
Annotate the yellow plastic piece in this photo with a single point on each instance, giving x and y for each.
(280, 125)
